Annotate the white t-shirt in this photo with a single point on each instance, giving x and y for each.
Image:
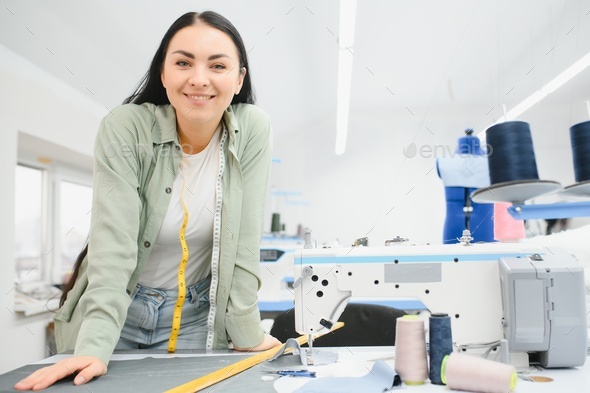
(195, 185)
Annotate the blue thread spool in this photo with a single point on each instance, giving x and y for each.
(512, 156)
(441, 344)
(580, 138)
(513, 168)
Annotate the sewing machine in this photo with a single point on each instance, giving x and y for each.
(526, 296)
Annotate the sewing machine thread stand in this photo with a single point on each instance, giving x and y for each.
(466, 238)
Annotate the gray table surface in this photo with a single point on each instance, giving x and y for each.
(153, 375)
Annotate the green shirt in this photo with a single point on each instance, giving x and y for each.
(136, 159)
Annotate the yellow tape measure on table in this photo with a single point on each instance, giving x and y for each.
(181, 283)
(242, 365)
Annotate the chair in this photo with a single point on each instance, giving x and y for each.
(364, 325)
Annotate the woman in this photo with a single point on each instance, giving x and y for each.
(180, 178)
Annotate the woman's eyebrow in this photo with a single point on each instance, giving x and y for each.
(217, 56)
(191, 56)
(184, 53)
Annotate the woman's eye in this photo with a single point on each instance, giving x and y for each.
(219, 66)
(182, 63)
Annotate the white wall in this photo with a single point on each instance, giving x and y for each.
(371, 190)
(34, 102)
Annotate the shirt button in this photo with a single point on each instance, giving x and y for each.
(147, 244)
(177, 147)
(168, 190)
(128, 291)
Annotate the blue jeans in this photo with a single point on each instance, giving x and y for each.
(149, 318)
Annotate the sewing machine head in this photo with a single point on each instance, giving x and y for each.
(460, 280)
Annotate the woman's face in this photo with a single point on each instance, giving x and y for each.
(201, 74)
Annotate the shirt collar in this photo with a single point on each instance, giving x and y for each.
(165, 127)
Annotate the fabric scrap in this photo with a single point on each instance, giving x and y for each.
(381, 378)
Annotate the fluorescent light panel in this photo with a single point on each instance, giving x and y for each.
(345, 61)
(549, 88)
(347, 22)
(343, 100)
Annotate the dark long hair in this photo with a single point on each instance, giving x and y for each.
(72, 280)
(151, 90)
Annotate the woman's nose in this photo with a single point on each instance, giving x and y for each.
(199, 77)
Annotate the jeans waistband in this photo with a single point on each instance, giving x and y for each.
(199, 286)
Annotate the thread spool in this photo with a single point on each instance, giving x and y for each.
(512, 157)
(410, 350)
(512, 165)
(441, 344)
(506, 227)
(464, 372)
(275, 225)
(580, 139)
(300, 231)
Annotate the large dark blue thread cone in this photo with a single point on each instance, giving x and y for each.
(580, 138)
(511, 156)
(441, 344)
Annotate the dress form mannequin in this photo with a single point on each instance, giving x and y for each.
(463, 173)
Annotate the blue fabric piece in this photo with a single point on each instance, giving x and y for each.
(281, 362)
(381, 378)
(470, 171)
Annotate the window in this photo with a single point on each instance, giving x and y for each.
(52, 220)
(74, 218)
(28, 223)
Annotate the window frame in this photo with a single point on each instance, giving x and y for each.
(44, 219)
(60, 174)
(53, 173)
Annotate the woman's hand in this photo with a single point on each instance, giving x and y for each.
(268, 342)
(84, 367)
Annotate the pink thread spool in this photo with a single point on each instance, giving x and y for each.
(464, 372)
(506, 227)
(410, 350)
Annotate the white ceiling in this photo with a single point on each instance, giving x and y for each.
(419, 55)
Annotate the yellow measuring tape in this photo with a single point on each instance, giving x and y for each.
(242, 365)
(181, 282)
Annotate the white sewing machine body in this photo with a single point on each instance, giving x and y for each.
(462, 281)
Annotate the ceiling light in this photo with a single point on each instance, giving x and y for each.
(345, 61)
(549, 88)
